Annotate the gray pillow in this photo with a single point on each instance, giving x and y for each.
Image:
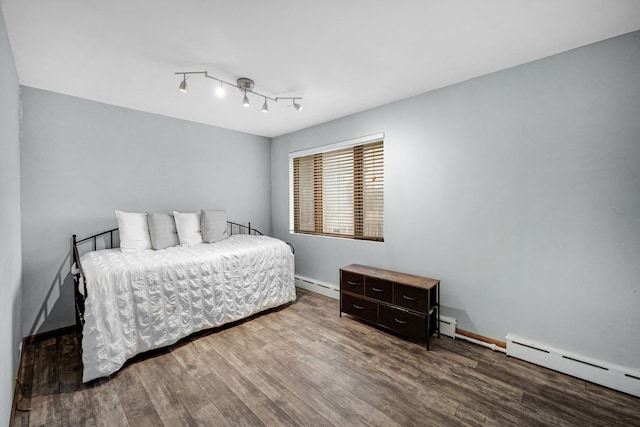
(213, 225)
(162, 230)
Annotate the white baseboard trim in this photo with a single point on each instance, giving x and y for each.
(322, 288)
(596, 371)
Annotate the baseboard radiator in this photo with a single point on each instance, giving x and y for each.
(607, 374)
(448, 326)
(322, 288)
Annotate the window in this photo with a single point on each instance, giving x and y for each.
(339, 192)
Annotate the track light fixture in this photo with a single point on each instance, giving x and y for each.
(245, 85)
(245, 100)
(183, 84)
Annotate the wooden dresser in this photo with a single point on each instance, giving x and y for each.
(406, 304)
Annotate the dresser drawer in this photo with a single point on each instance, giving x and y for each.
(351, 282)
(367, 310)
(410, 297)
(381, 290)
(403, 322)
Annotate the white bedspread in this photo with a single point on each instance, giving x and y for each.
(149, 299)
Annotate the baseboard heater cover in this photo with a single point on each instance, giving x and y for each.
(600, 372)
(448, 326)
(322, 288)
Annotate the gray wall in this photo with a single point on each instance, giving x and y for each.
(10, 256)
(81, 160)
(520, 190)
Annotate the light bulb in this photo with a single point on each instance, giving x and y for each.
(297, 106)
(245, 100)
(220, 90)
(265, 107)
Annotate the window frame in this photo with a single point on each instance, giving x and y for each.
(357, 181)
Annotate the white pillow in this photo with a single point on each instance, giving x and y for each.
(134, 231)
(188, 225)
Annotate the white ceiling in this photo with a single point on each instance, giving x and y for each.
(341, 56)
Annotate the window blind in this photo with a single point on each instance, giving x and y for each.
(340, 192)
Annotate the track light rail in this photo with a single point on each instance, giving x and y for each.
(243, 84)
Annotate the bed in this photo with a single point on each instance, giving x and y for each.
(131, 302)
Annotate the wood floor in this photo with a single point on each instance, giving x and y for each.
(305, 365)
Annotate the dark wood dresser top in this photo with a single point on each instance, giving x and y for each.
(393, 276)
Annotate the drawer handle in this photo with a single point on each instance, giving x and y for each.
(402, 322)
(352, 283)
(377, 290)
(408, 298)
(358, 307)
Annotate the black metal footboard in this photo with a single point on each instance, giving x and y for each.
(78, 272)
